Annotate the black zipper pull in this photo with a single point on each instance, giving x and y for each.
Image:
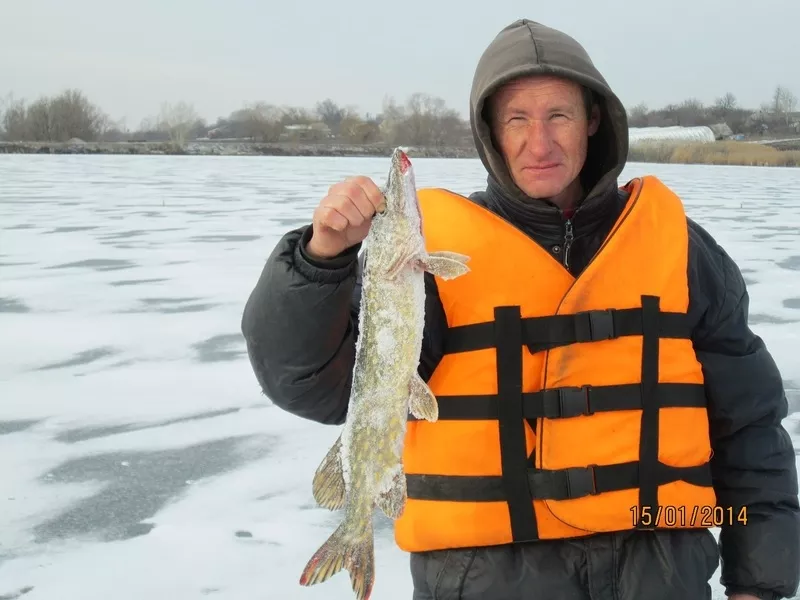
(568, 238)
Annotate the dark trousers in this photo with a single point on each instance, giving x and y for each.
(635, 565)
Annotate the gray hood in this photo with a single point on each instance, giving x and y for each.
(529, 48)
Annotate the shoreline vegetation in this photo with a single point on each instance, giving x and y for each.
(672, 152)
(749, 154)
(69, 123)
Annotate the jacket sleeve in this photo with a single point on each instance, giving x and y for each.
(299, 325)
(753, 463)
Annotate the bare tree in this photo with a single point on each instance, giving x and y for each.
(293, 115)
(355, 130)
(429, 122)
(39, 124)
(13, 116)
(724, 105)
(637, 115)
(790, 101)
(258, 121)
(331, 114)
(392, 127)
(177, 120)
(692, 112)
(422, 112)
(150, 131)
(425, 120)
(149, 124)
(727, 102)
(784, 103)
(777, 100)
(4, 102)
(58, 118)
(73, 116)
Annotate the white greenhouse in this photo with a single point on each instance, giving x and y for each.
(637, 135)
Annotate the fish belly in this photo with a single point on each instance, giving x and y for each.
(387, 358)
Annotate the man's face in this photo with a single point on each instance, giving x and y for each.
(542, 130)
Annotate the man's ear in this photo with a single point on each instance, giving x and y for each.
(594, 121)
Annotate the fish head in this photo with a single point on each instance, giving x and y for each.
(401, 188)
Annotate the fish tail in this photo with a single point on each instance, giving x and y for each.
(343, 549)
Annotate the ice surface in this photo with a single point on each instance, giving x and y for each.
(138, 457)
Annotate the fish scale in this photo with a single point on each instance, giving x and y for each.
(364, 467)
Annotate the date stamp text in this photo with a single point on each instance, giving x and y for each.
(681, 516)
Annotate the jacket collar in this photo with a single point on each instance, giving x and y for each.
(545, 222)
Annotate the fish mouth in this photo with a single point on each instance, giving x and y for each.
(400, 188)
(405, 162)
(401, 161)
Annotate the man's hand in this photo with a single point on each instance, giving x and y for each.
(344, 216)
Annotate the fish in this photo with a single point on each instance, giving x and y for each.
(364, 467)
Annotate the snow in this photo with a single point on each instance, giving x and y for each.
(386, 343)
(139, 457)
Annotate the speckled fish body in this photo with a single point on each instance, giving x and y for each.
(364, 467)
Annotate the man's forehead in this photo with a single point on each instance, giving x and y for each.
(540, 87)
(539, 84)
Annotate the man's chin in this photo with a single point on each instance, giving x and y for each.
(543, 184)
(542, 191)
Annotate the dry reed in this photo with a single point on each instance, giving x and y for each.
(715, 153)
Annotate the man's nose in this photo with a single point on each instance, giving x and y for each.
(540, 139)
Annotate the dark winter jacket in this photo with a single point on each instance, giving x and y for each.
(300, 324)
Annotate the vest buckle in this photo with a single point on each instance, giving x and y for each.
(594, 325)
(573, 401)
(581, 482)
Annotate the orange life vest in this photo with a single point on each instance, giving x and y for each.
(567, 406)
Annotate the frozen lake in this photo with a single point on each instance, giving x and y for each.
(139, 458)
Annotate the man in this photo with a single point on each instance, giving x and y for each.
(607, 483)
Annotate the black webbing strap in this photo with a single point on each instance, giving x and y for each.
(561, 403)
(520, 483)
(648, 436)
(513, 456)
(577, 482)
(544, 333)
(564, 484)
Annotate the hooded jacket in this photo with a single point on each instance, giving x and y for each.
(300, 324)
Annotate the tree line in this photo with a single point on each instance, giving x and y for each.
(777, 114)
(422, 120)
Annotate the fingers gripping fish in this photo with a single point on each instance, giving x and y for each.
(364, 467)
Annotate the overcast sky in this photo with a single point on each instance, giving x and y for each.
(128, 57)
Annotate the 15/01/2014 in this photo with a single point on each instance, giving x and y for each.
(678, 516)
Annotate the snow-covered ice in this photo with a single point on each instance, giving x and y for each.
(139, 458)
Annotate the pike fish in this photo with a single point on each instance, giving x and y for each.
(364, 467)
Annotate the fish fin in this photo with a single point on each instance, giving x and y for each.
(422, 403)
(344, 550)
(393, 500)
(405, 255)
(328, 485)
(447, 265)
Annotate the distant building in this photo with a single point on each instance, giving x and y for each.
(676, 133)
(306, 132)
(722, 131)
